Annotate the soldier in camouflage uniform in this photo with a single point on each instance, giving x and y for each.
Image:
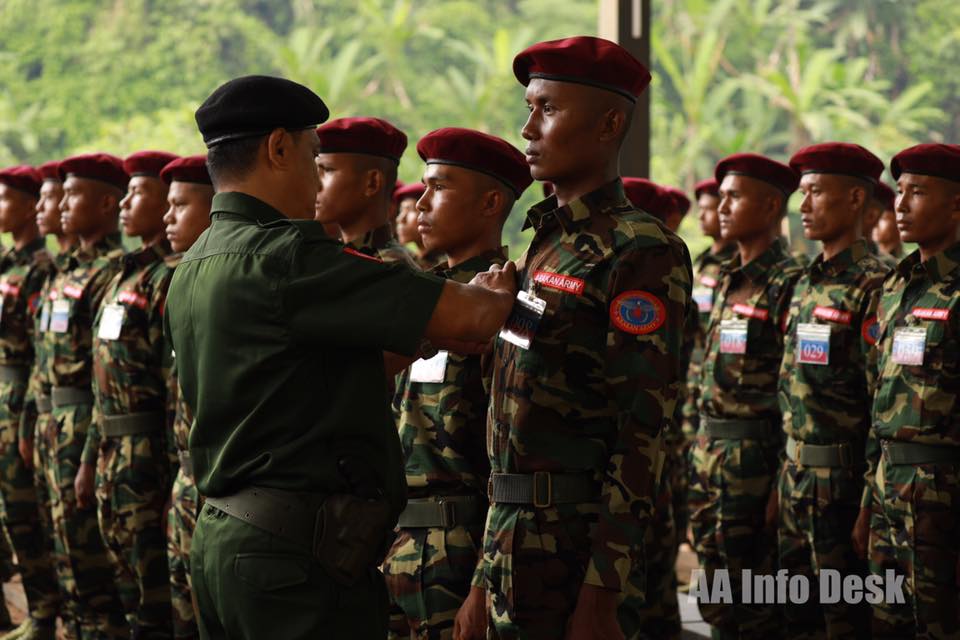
(911, 501)
(125, 460)
(472, 181)
(735, 456)
(826, 385)
(882, 201)
(358, 170)
(885, 234)
(23, 270)
(190, 197)
(405, 199)
(93, 187)
(574, 425)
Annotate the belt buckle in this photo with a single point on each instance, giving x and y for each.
(448, 513)
(537, 476)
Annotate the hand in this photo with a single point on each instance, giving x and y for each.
(772, 517)
(471, 620)
(503, 279)
(83, 485)
(860, 537)
(595, 617)
(25, 445)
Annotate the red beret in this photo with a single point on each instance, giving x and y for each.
(96, 166)
(50, 170)
(837, 157)
(649, 197)
(148, 163)
(885, 195)
(709, 186)
(583, 60)
(478, 152)
(937, 160)
(371, 136)
(680, 199)
(22, 178)
(187, 169)
(760, 167)
(412, 190)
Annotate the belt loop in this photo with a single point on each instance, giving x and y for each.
(448, 516)
(542, 479)
(845, 456)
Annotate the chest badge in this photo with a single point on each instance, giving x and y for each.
(638, 312)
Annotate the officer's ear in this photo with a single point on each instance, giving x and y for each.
(279, 146)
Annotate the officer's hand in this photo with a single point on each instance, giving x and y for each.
(471, 620)
(860, 537)
(773, 510)
(83, 485)
(595, 617)
(498, 279)
(26, 451)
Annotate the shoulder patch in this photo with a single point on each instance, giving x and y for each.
(870, 330)
(637, 312)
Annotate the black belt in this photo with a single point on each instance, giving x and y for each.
(292, 516)
(542, 488)
(66, 396)
(444, 512)
(44, 404)
(821, 455)
(131, 424)
(186, 463)
(15, 374)
(736, 428)
(907, 453)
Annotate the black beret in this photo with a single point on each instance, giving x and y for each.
(256, 105)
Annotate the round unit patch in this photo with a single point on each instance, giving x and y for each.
(637, 312)
(870, 330)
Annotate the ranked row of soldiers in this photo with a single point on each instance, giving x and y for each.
(558, 417)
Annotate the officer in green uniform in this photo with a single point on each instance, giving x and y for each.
(735, 456)
(279, 333)
(23, 269)
(574, 426)
(826, 385)
(911, 501)
(93, 186)
(126, 443)
(472, 180)
(882, 201)
(189, 197)
(358, 171)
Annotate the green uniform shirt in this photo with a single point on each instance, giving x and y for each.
(828, 371)
(279, 333)
(380, 243)
(917, 398)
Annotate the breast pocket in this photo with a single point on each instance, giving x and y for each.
(939, 374)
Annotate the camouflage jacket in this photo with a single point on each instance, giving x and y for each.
(181, 416)
(22, 275)
(442, 424)
(744, 385)
(131, 362)
(918, 399)
(827, 374)
(74, 296)
(888, 260)
(380, 243)
(599, 381)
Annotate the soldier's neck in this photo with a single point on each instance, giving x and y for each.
(569, 189)
(718, 245)
(66, 242)
(930, 249)
(23, 237)
(752, 248)
(835, 246)
(482, 245)
(890, 248)
(372, 218)
(90, 241)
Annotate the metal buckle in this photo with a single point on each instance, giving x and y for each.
(448, 513)
(537, 476)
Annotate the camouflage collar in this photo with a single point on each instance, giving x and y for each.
(475, 264)
(374, 239)
(25, 255)
(147, 255)
(109, 243)
(246, 206)
(842, 261)
(575, 215)
(759, 268)
(944, 266)
(709, 257)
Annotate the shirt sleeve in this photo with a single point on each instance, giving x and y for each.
(353, 301)
(649, 293)
(871, 351)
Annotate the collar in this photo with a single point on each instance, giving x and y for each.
(374, 239)
(709, 257)
(842, 261)
(105, 245)
(144, 256)
(943, 267)
(246, 206)
(759, 268)
(475, 264)
(26, 254)
(577, 214)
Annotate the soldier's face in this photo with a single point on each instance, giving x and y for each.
(745, 209)
(709, 219)
(927, 208)
(886, 232)
(340, 196)
(48, 207)
(142, 209)
(450, 208)
(16, 209)
(86, 206)
(188, 214)
(826, 211)
(407, 224)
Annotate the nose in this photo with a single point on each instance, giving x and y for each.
(900, 204)
(423, 204)
(529, 130)
(805, 203)
(168, 217)
(723, 208)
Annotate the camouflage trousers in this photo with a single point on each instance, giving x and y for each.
(83, 566)
(428, 574)
(132, 488)
(679, 478)
(535, 560)
(22, 512)
(181, 523)
(730, 483)
(649, 607)
(915, 531)
(818, 507)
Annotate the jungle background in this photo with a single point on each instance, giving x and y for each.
(729, 75)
